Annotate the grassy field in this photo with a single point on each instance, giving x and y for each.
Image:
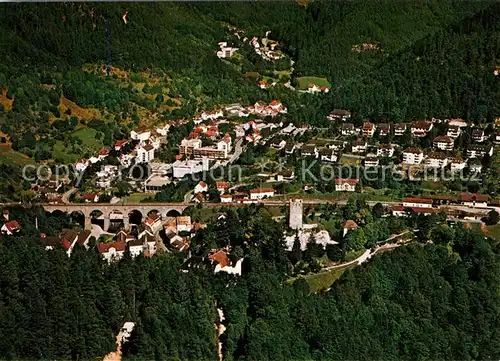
(136, 197)
(10, 156)
(62, 154)
(494, 232)
(304, 81)
(87, 135)
(346, 160)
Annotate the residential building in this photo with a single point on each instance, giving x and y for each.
(183, 223)
(112, 251)
(478, 135)
(188, 146)
(140, 135)
(278, 144)
(261, 193)
(371, 162)
(474, 199)
(368, 129)
(346, 185)
(457, 122)
(337, 145)
(413, 155)
(348, 129)
(136, 248)
(81, 165)
(359, 146)
(443, 143)
(436, 160)
(290, 148)
(453, 131)
(145, 153)
(348, 225)
(417, 202)
(328, 155)
(225, 51)
(475, 165)
(456, 164)
(222, 187)
(119, 144)
(201, 187)
(384, 129)
(420, 128)
(479, 150)
(226, 198)
(385, 150)
(339, 114)
(309, 150)
(9, 228)
(399, 129)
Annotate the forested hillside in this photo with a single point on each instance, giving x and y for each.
(418, 302)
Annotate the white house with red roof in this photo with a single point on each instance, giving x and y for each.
(119, 144)
(112, 251)
(261, 193)
(346, 185)
(10, 228)
(222, 187)
(141, 135)
(201, 187)
(81, 165)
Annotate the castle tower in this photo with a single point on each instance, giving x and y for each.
(296, 210)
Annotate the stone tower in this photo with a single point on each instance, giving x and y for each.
(296, 209)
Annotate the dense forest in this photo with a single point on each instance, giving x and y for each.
(418, 302)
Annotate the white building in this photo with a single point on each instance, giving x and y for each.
(436, 160)
(201, 187)
(345, 185)
(140, 135)
(145, 154)
(417, 202)
(413, 155)
(456, 164)
(261, 193)
(443, 142)
(136, 248)
(385, 150)
(182, 168)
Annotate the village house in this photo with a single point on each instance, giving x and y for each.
(201, 187)
(453, 131)
(371, 162)
(136, 248)
(9, 228)
(420, 128)
(290, 148)
(153, 222)
(145, 153)
(401, 211)
(474, 199)
(368, 129)
(179, 243)
(479, 150)
(90, 197)
(181, 168)
(119, 144)
(222, 187)
(478, 135)
(256, 194)
(385, 150)
(112, 251)
(183, 224)
(339, 114)
(456, 164)
(436, 160)
(328, 155)
(346, 185)
(337, 145)
(417, 202)
(399, 129)
(81, 165)
(278, 144)
(348, 129)
(140, 135)
(359, 146)
(413, 155)
(188, 146)
(225, 50)
(226, 198)
(348, 225)
(384, 129)
(475, 165)
(309, 150)
(443, 143)
(457, 122)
